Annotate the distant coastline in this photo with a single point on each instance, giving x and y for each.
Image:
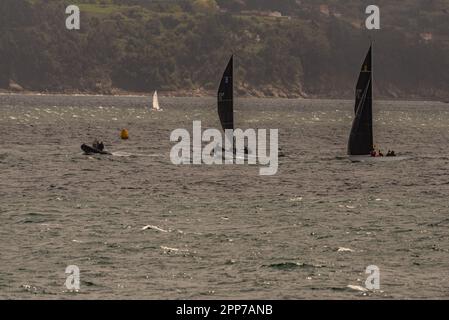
(292, 50)
(268, 92)
(206, 94)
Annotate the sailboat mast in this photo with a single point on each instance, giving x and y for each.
(232, 86)
(371, 89)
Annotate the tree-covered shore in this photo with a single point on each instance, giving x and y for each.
(282, 48)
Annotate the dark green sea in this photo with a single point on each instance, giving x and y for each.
(223, 232)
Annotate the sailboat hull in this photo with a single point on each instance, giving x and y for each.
(368, 158)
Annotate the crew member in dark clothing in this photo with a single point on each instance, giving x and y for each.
(391, 154)
(98, 145)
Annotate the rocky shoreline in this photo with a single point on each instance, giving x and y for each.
(240, 91)
(268, 92)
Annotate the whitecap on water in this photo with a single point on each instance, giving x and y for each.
(29, 288)
(342, 249)
(168, 249)
(357, 288)
(154, 228)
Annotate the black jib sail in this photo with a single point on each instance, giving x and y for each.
(225, 97)
(361, 137)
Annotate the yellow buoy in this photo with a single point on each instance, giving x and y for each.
(124, 134)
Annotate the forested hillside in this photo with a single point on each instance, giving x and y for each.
(286, 48)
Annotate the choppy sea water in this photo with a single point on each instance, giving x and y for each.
(220, 232)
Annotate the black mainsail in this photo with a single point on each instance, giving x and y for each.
(361, 137)
(225, 97)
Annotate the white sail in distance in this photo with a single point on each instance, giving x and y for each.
(156, 106)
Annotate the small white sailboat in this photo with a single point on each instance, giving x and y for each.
(156, 106)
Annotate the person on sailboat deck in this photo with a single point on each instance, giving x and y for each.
(98, 145)
(391, 153)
